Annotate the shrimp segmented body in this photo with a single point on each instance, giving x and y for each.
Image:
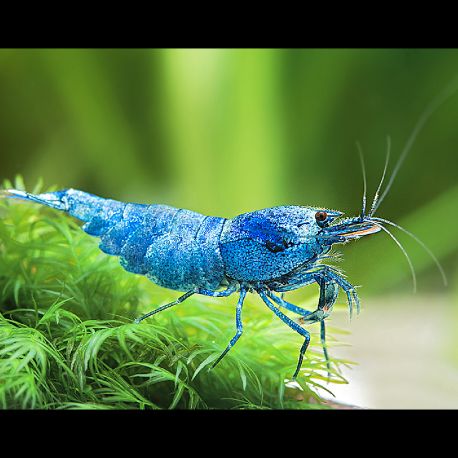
(267, 252)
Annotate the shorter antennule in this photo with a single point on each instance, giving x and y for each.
(387, 160)
(363, 168)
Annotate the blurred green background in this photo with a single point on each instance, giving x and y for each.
(223, 132)
(228, 131)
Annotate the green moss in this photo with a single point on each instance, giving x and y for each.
(67, 340)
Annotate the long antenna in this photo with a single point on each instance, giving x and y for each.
(430, 109)
(398, 243)
(420, 242)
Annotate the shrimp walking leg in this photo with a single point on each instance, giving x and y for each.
(328, 294)
(303, 332)
(202, 291)
(325, 349)
(288, 306)
(239, 326)
(166, 306)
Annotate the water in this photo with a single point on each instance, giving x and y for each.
(404, 348)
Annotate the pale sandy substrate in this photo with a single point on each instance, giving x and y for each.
(404, 351)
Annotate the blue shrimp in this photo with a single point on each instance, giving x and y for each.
(267, 252)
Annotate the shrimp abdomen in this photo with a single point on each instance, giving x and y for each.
(175, 248)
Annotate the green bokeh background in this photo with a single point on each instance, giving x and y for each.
(228, 131)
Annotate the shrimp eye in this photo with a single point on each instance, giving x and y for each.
(321, 216)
